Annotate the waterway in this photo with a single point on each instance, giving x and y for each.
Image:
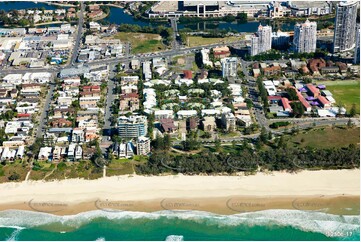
(6, 6)
(118, 16)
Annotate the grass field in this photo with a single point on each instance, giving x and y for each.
(198, 40)
(326, 138)
(347, 92)
(142, 42)
(16, 167)
(120, 167)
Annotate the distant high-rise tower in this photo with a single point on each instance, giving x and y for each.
(265, 38)
(345, 24)
(262, 41)
(356, 58)
(305, 37)
(254, 45)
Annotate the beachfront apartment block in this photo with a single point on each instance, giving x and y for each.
(132, 127)
(143, 145)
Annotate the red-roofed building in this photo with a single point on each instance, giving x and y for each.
(286, 104)
(187, 74)
(304, 102)
(91, 88)
(23, 115)
(168, 125)
(274, 99)
(71, 10)
(313, 91)
(94, 7)
(60, 122)
(273, 70)
(316, 64)
(94, 93)
(129, 102)
(221, 52)
(324, 102)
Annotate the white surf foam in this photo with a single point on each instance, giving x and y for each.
(304, 220)
(100, 239)
(174, 238)
(14, 235)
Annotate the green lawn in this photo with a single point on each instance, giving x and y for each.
(120, 167)
(347, 92)
(326, 137)
(16, 167)
(142, 42)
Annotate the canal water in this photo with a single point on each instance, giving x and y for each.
(118, 16)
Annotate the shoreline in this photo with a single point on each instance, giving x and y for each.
(337, 191)
(335, 205)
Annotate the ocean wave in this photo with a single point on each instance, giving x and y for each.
(14, 235)
(174, 238)
(308, 221)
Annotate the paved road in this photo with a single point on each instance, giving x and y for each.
(140, 57)
(303, 124)
(173, 22)
(149, 56)
(109, 99)
(79, 35)
(44, 114)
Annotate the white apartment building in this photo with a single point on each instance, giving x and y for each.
(229, 67)
(345, 26)
(356, 58)
(262, 41)
(143, 145)
(305, 38)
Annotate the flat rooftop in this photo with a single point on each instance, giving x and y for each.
(308, 4)
(165, 6)
(191, 3)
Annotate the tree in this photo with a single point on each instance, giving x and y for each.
(217, 145)
(349, 123)
(340, 107)
(297, 109)
(292, 94)
(234, 143)
(167, 142)
(281, 142)
(190, 144)
(206, 135)
(14, 177)
(241, 18)
(264, 135)
(353, 110)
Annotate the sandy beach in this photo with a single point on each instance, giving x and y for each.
(336, 190)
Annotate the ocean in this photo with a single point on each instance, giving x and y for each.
(99, 225)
